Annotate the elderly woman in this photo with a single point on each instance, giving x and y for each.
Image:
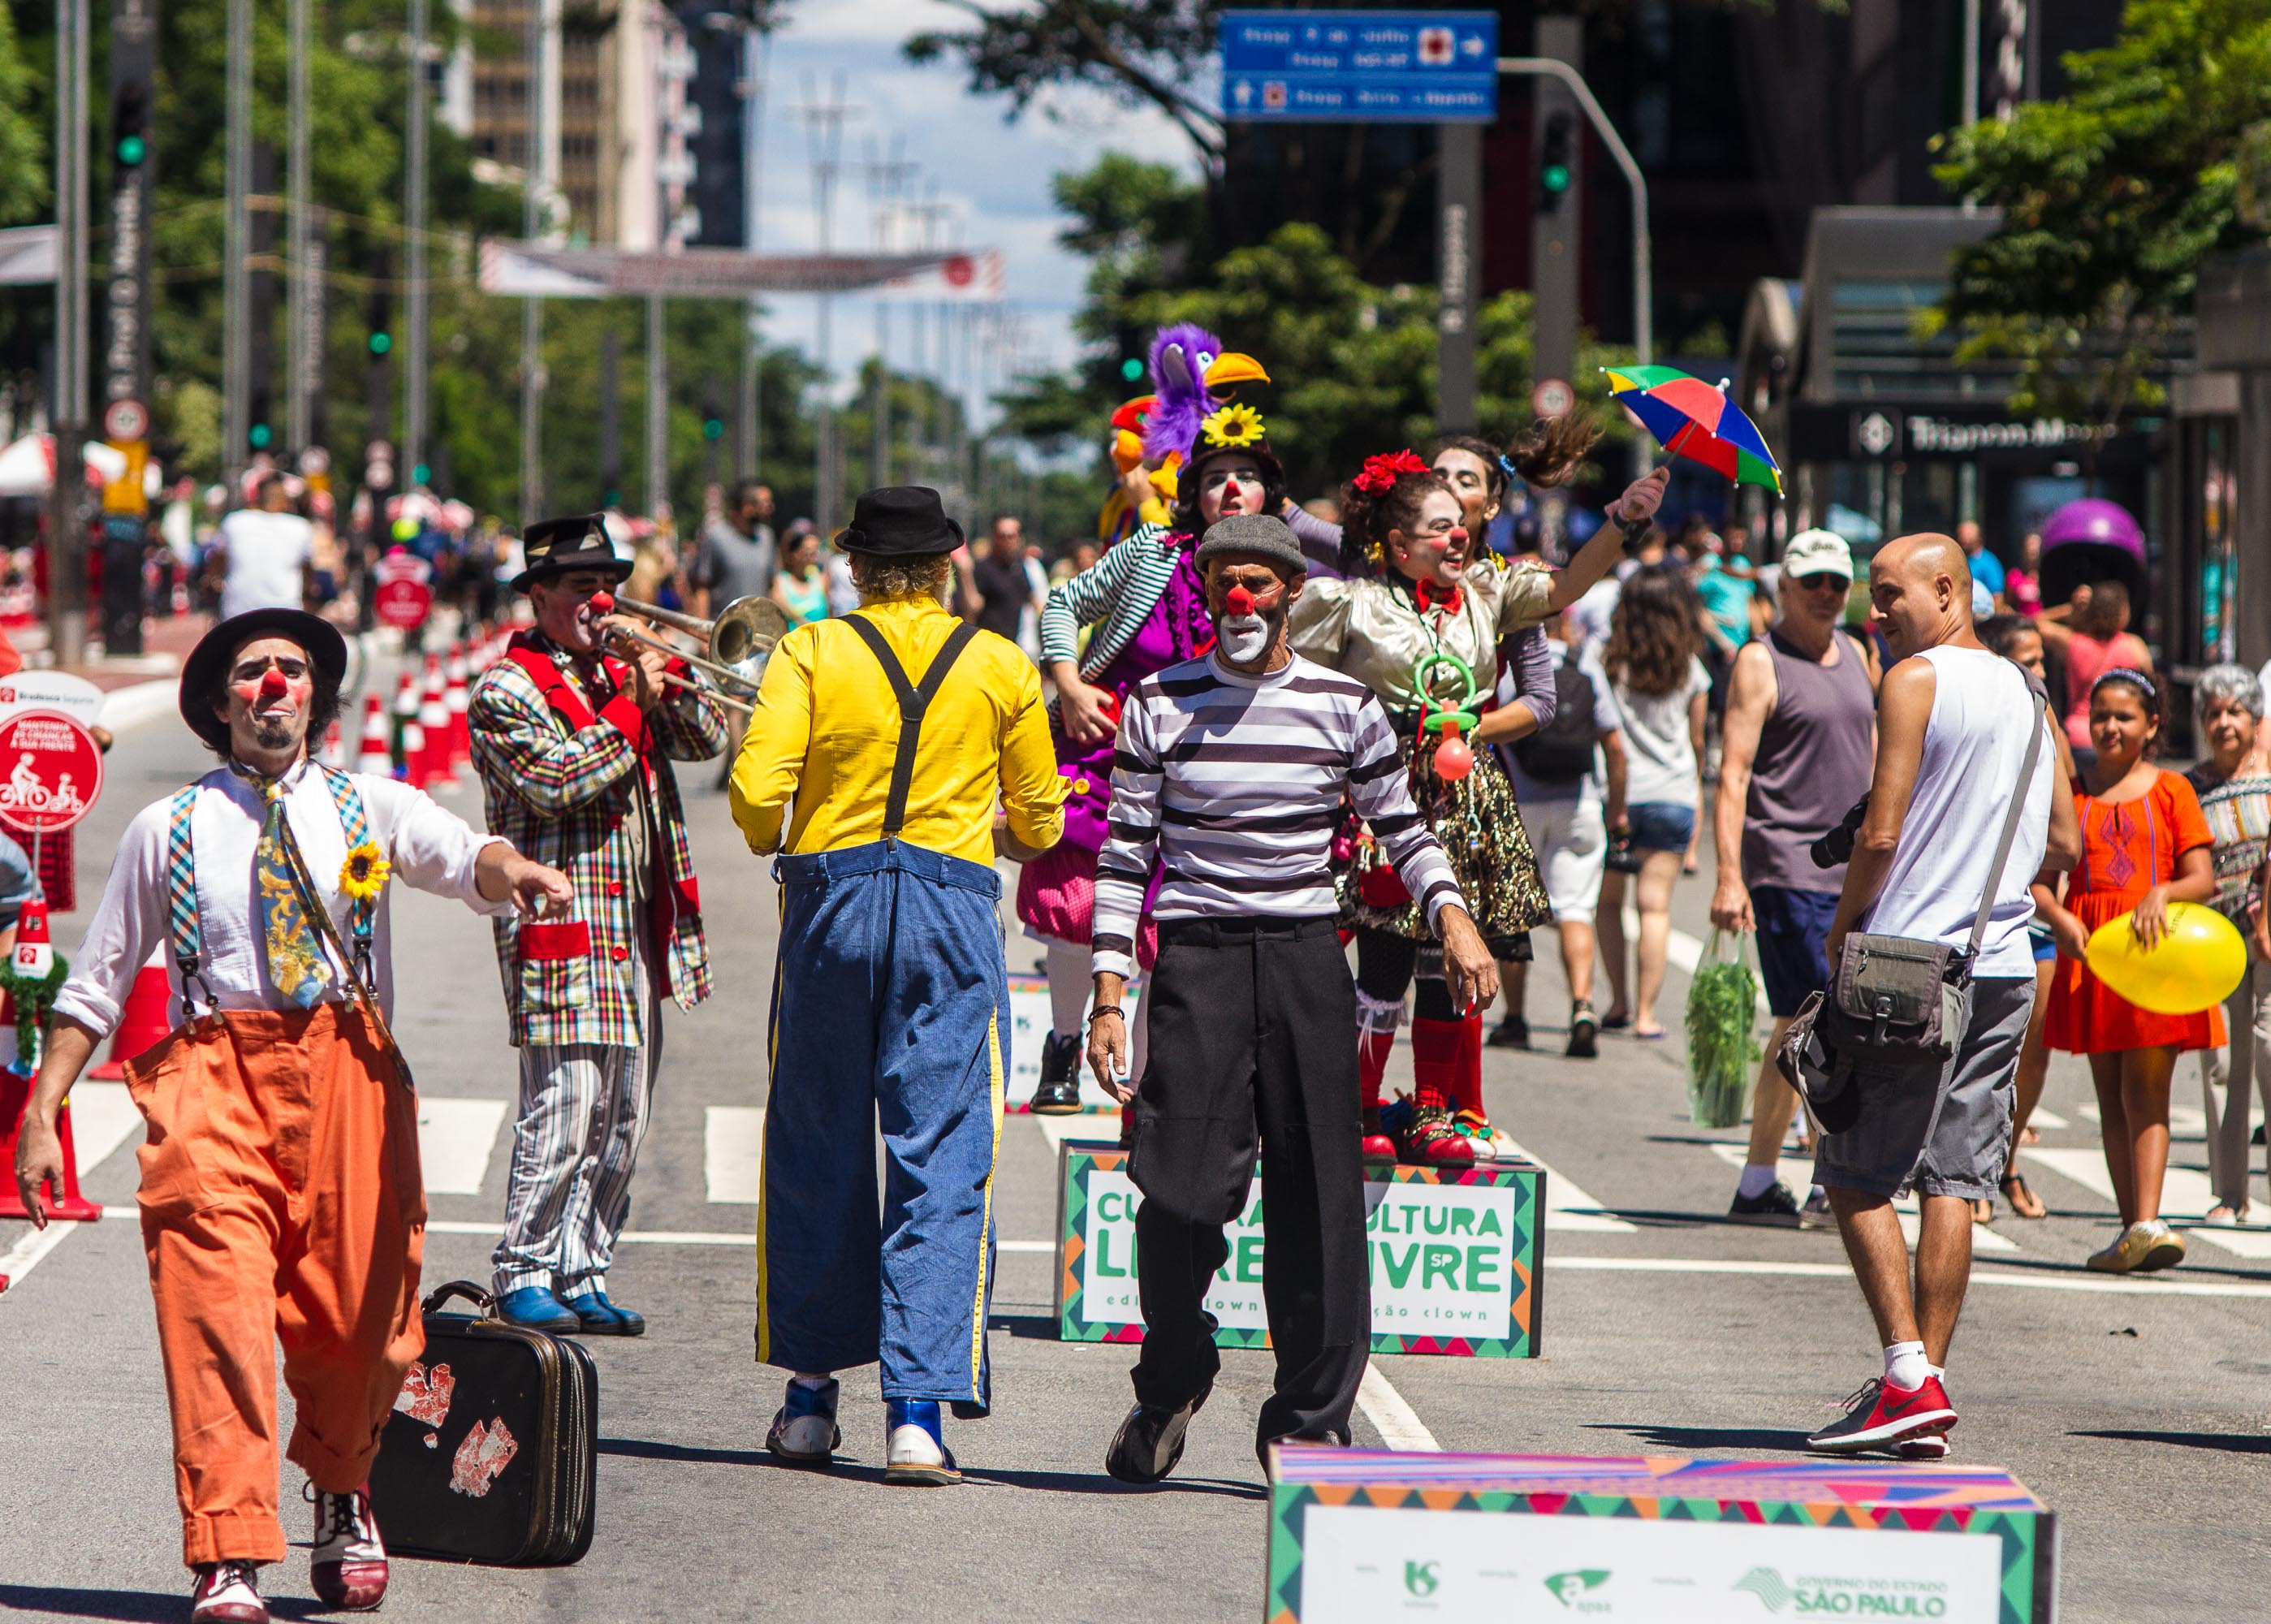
(2234, 785)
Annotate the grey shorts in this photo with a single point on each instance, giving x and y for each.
(1945, 1136)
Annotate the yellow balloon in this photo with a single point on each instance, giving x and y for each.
(2195, 967)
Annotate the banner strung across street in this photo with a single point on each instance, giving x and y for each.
(1456, 1255)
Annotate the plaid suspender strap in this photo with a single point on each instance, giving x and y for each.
(914, 701)
(181, 900)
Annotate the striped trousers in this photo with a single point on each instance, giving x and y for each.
(582, 1113)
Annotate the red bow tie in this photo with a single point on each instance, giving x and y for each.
(1434, 597)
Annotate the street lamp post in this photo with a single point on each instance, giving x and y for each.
(66, 513)
(414, 371)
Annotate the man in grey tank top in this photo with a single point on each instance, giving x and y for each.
(1799, 733)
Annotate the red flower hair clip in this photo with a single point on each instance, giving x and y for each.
(1382, 472)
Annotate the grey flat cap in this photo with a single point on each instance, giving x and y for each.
(1253, 535)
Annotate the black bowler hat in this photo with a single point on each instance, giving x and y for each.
(209, 661)
(899, 521)
(562, 546)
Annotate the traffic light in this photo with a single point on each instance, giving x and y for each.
(129, 123)
(1132, 368)
(381, 342)
(712, 428)
(260, 436)
(1555, 154)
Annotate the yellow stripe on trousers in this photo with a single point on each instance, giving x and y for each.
(765, 1170)
(996, 1088)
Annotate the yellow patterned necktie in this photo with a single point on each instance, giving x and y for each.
(296, 965)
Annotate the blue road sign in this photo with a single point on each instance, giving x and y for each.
(1360, 67)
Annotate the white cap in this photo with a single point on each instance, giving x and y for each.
(1816, 552)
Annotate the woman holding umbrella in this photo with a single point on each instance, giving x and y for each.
(1416, 623)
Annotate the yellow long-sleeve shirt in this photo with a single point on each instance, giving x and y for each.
(826, 731)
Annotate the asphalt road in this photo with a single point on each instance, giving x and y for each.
(2137, 1409)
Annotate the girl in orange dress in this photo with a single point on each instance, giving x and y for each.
(2145, 844)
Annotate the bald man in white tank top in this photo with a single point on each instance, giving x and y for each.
(1953, 725)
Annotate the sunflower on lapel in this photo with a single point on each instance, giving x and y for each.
(365, 872)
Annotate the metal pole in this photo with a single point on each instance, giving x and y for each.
(1644, 277)
(542, 19)
(66, 512)
(299, 294)
(658, 410)
(880, 474)
(750, 442)
(413, 402)
(1970, 63)
(1458, 208)
(236, 281)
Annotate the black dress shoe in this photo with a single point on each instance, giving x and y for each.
(1151, 1440)
(1059, 1093)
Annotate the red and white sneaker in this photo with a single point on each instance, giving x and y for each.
(1880, 1415)
(227, 1593)
(349, 1570)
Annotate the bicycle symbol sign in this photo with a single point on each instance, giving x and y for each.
(50, 771)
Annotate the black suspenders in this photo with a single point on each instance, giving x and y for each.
(914, 701)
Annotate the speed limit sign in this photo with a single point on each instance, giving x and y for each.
(1552, 397)
(125, 419)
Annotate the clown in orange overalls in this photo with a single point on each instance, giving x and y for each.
(281, 1197)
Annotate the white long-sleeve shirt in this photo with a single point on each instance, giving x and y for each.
(1233, 785)
(429, 848)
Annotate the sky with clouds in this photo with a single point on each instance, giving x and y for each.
(992, 173)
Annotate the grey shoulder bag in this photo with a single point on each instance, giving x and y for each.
(1894, 1000)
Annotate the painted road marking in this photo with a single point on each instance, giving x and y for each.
(2042, 1116)
(1798, 1172)
(2119, 1286)
(1400, 1425)
(685, 1237)
(1569, 1209)
(2186, 1197)
(456, 1138)
(102, 1114)
(734, 1153)
(31, 1247)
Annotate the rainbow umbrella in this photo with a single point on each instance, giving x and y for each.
(1691, 419)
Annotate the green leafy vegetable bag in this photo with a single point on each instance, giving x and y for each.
(1722, 1035)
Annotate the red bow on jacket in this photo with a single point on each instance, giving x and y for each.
(1434, 597)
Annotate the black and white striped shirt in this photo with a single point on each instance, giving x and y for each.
(1235, 783)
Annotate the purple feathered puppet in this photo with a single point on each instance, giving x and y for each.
(1188, 364)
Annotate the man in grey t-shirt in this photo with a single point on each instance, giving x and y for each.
(736, 558)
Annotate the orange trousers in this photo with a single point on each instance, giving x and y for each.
(281, 1202)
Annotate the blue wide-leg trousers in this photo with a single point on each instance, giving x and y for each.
(891, 1002)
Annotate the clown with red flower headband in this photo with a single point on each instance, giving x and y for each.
(1419, 618)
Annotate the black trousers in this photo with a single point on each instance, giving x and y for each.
(1254, 1039)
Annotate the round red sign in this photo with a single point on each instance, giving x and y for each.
(402, 603)
(50, 771)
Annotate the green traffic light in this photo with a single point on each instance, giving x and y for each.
(421, 474)
(1131, 369)
(1555, 177)
(381, 342)
(712, 429)
(132, 149)
(260, 437)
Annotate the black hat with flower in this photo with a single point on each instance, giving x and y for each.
(1233, 430)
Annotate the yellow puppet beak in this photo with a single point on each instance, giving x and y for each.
(1232, 367)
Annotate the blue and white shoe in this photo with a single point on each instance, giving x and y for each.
(534, 1307)
(599, 1317)
(805, 1431)
(916, 1451)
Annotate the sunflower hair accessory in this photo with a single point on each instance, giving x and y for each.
(365, 872)
(1233, 426)
(1380, 471)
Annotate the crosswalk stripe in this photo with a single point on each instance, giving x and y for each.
(102, 1115)
(1798, 1172)
(1569, 1209)
(734, 1153)
(456, 1138)
(2186, 1197)
(686, 1237)
(2042, 1116)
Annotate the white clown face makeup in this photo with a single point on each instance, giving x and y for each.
(1249, 602)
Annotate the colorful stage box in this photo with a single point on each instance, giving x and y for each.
(1456, 1257)
(1359, 1536)
(1029, 1019)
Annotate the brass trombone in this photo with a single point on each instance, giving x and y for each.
(746, 629)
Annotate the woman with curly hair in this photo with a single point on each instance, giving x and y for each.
(1147, 606)
(1413, 610)
(1654, 657)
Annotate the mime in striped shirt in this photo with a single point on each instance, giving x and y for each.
(1230, 776)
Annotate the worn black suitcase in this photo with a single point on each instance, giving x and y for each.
(490, 1454)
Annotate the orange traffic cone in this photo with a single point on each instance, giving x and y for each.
(454, 697)
(406, 712)
(334, 750)
(439, 770)
(372, 755)
(413, 754)
(64, 1200)
(142, 1022)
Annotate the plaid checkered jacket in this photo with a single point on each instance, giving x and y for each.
(561, 794)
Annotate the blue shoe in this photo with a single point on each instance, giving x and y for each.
(533, 1307)
(804, 1430)
(599, 1317)
(915, 1451)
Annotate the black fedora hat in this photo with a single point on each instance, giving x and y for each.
(899, 521)
(209, 661)
(560, 545)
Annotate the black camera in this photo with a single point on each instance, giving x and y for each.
(1836, 847)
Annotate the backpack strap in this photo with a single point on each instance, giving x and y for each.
(2036, 711)
(182, 902)
(363, 911)
(914, 700)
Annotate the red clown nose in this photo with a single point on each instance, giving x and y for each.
(273, 685)
(1240, 601)
(603, 603)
